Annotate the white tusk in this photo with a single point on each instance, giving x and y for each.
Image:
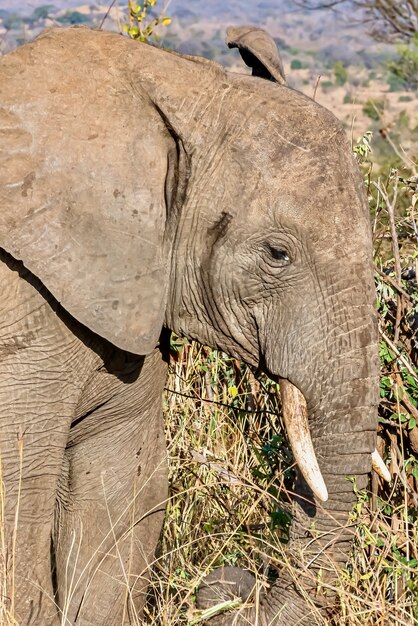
(379, 466)
(295, 417)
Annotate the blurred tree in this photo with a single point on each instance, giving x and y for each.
(386, 19)
(73, 18)
(42, 12)
(12, 21)
(404, 68)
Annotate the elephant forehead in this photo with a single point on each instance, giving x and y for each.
(319, 187)
(287, 146)
(327, 197)
(324, 217)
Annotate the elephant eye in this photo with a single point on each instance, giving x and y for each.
(278, 254)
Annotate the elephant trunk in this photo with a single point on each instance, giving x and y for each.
(320, 536)
(342, 430)
(332, 453)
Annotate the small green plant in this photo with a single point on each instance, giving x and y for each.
(340, 73)
(403, 119)
(143, 23)
(362, 147)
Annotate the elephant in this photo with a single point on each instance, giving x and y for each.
(145, 192)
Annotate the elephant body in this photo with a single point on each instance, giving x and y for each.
(143, 191)
(94, 479)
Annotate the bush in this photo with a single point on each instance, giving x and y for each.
(340, 73)
(73, 18)
(13, 21)
(374, 109)
(405, 67)
(395, 83)
(42, 12)
(296, 64)
(327, 85)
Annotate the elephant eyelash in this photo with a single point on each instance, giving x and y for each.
(278, 254)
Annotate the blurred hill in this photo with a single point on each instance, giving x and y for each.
(329, 32)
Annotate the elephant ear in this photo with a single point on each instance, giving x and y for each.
(258, 51)
(86, 182)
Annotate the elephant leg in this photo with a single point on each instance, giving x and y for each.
(37, 401)
(31, 465)
(112, 496)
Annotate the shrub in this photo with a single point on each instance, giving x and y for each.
(374, 109)
(42, 12)
(12, 21)
(143, 22)
(405, 67)
(395, 83)
(405, 99)
(73, 18)
(327, 85)
(340, 73)
(296, 64)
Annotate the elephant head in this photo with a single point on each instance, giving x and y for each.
(146, 188)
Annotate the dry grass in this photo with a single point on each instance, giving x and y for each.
(7, 558)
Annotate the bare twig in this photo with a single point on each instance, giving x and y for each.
(106, 15)
(390, 206)
(393, 283)
(316, 86)
(398, 354)
(229, 477)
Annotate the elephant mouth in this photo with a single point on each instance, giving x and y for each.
(295, 417)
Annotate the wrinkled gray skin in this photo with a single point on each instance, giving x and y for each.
(141, 189)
